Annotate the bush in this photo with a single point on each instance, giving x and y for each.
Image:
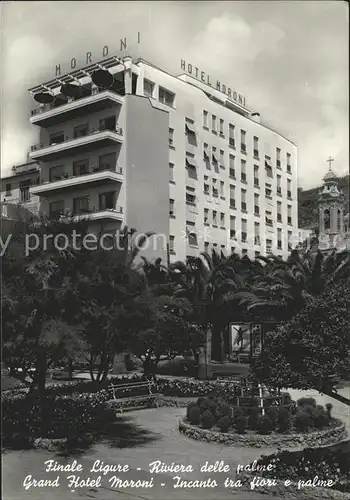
(207, 419)
(241, 424)
(273, 416)
(329, 408)
(188, 409)
(27, 418)
(307, 402)
(264, 424)
(286, 398)
(320, 418)
(224, 423)
(284, 419)
(194, 415)
(254, 416)
(302, 421)
(223, 409)
(204, 404)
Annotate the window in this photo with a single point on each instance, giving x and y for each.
(278, 158)
(215, 218)
(256, 147)
(256, 253)
(148, 88)
(243, 171)
(215, 189)
(269, 246)
(268, 190)
(206, 153)
(289, 188)
(206, 246)
(8, 189)
(107, 200)
(279, 238)
(221, 127)
(56, 173)
(171, 137)
(243, 143)
(290, 240)
(232, 166)
(205, 119)
(244, 199)
(279, 211)
(56, 208)
(192, 239)
(256, 175)
(231, 135)
(232, 196)
(206, 216)
(244, 230)
(222, 158)
(279, 188)
(81, 205)
(172, 244)
(289, 217)
(232, 226)
(268, 168)
(81, 131)
(206, 185)
(171, 172)
(108, 123)
(268, 218)
(56, 138)
(107, 161)
(289, 165)
(166, 97)
(24, 194)
(222, 219)
(213, 123)
(256, 204)
(171, 208)
(215, 155)
(256, 233)
(80, 167)
(222, 188)
(190, 195)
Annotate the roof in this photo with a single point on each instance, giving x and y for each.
(330, 176)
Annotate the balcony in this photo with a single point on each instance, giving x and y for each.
(48, 115)
(98, 176)
(100, 213)
(98, 138)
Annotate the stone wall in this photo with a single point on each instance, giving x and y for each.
(332, 435)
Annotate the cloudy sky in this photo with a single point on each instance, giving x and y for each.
(290, 58)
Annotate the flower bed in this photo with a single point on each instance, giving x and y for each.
(335, 434)
(325, 463)
(25, 418)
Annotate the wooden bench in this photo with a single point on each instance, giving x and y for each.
(113, 388)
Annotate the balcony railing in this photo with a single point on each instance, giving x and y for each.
(66, 176)
(49, 107)
(94, 131)
(96, 210)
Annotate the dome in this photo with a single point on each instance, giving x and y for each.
(330, 176)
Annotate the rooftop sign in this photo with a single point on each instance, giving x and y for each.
(203, 77)
(88, 55)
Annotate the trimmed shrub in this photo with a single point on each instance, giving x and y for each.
(189, 406)
(302, 421)
(284, 419)
(204, 404)
(213, 408)
(255, 413)
(306, 402)
(320, 418)
(207, 419)
(329, 408)
(273, 416)
(241, 424)
(224, 423)
(194, 415)
(307, 409)
(223, 409)
(264, 424)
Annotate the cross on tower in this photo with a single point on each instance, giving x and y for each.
(330, 159)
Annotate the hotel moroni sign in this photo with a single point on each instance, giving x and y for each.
(203, 77)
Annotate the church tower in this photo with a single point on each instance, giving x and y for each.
(331, 204)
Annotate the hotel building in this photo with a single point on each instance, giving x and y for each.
(123, 142)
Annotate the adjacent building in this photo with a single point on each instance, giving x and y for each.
(123, 142)
(17, 198)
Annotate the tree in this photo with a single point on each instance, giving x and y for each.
(160, 328)
(311, 348)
